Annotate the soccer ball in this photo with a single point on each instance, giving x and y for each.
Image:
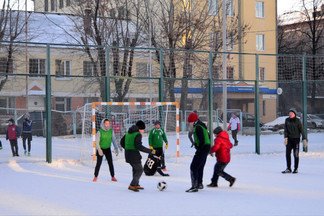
(162, 186)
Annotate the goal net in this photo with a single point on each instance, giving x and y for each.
(122, 116)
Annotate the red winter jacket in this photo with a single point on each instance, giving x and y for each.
(13, 132)
(222, 147)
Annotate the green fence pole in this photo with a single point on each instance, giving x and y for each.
(107, 75)
(304, 99)
(256, 106)
(161, 80)
(210, 95)
(48, 107)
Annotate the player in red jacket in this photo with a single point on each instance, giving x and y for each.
(222, 147)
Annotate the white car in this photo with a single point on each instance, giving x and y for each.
(276, 124)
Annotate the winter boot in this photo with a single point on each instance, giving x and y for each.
(200, 186)
(28, 154)
(133, 188)
(232, 181)
(139, 187)
(212, 185)
(295, 171)
(25, 152)
(113, 179)
(288, 170)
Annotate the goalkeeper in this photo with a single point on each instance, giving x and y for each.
(156, 138)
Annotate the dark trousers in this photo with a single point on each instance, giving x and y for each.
(219, 171)
(234, 135)
(293, 144)
(197, 166)
(137, 173)
(14, 147)
(28, 137)
(107, 153)
(159, 153)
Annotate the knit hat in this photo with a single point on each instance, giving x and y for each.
(140, 124)
(217, 130)
(157, 122)
(11, 120)
(293, 110)
(192, 117)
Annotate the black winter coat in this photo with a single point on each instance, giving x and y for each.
(293, 128)
(134, 157)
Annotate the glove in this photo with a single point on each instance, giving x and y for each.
(166, 145)
(116, 152)
(153, 152)
(100, 152)
(305, 144)
(286, 141)
(151, 147)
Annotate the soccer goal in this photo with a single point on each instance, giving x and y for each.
(122, 116)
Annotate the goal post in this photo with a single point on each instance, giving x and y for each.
(134, 111)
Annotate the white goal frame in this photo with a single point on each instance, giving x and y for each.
(93, 119)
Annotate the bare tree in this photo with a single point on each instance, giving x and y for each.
(110, 23)
(187, 25)
(12, 24)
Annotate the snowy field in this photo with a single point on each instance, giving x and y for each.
(30, 186)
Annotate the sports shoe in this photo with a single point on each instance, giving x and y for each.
(200, 186)
(28, 154)
(113, 179)
(236, 144)
(192, 189)
(286, 171)
(94, 179)
(25, 152)
(139, 187)
(295, 171)
(17, 155)
(0, 147)
(212, 185)
(232, 181)
(133, 188)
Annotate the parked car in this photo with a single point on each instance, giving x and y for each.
(313, 121)
(248, 120)
(275, 125)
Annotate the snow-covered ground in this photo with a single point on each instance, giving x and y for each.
(30, 186)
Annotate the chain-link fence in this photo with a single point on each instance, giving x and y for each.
(258, 88)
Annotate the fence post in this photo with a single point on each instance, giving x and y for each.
(107, 76)
(256, 106)
(48, 106)
(210, 95)
(74, 122)
(304, 99)
(161, 80)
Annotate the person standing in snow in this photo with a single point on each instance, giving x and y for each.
(202, 145)
(234, 126)
(292, 131)
(132, 143)
(105, 137)
(12, 134)
(156, 138)
(222, 147)
(27, 133)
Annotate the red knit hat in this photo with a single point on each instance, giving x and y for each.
(192, 117)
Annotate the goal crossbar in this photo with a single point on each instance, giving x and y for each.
(96, 104)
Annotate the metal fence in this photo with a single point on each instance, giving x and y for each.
(259, 87)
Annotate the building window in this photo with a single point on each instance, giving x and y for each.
(216, 72)
(259, 9)
(46, 5)
(88, 68)
(5, 65)
(212, 7)
(62, 67)
(61, 4)
(262, 73)
(90, 100)
(142, 69)
(260, 42)
(53, 5)
(230, 72)
(230, 41)
(9, 103)
(264, 107)
(229, 8)
(63, 104)
(36, 66)
(68, 3)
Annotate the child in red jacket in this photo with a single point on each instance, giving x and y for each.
(222, 147)
(13, 132)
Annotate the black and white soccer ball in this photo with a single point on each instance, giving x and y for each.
(162, 185)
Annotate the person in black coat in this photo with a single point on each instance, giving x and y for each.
(27, 134)
(132, 143)
(292, 131)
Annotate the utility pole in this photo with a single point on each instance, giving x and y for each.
(224, 27)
